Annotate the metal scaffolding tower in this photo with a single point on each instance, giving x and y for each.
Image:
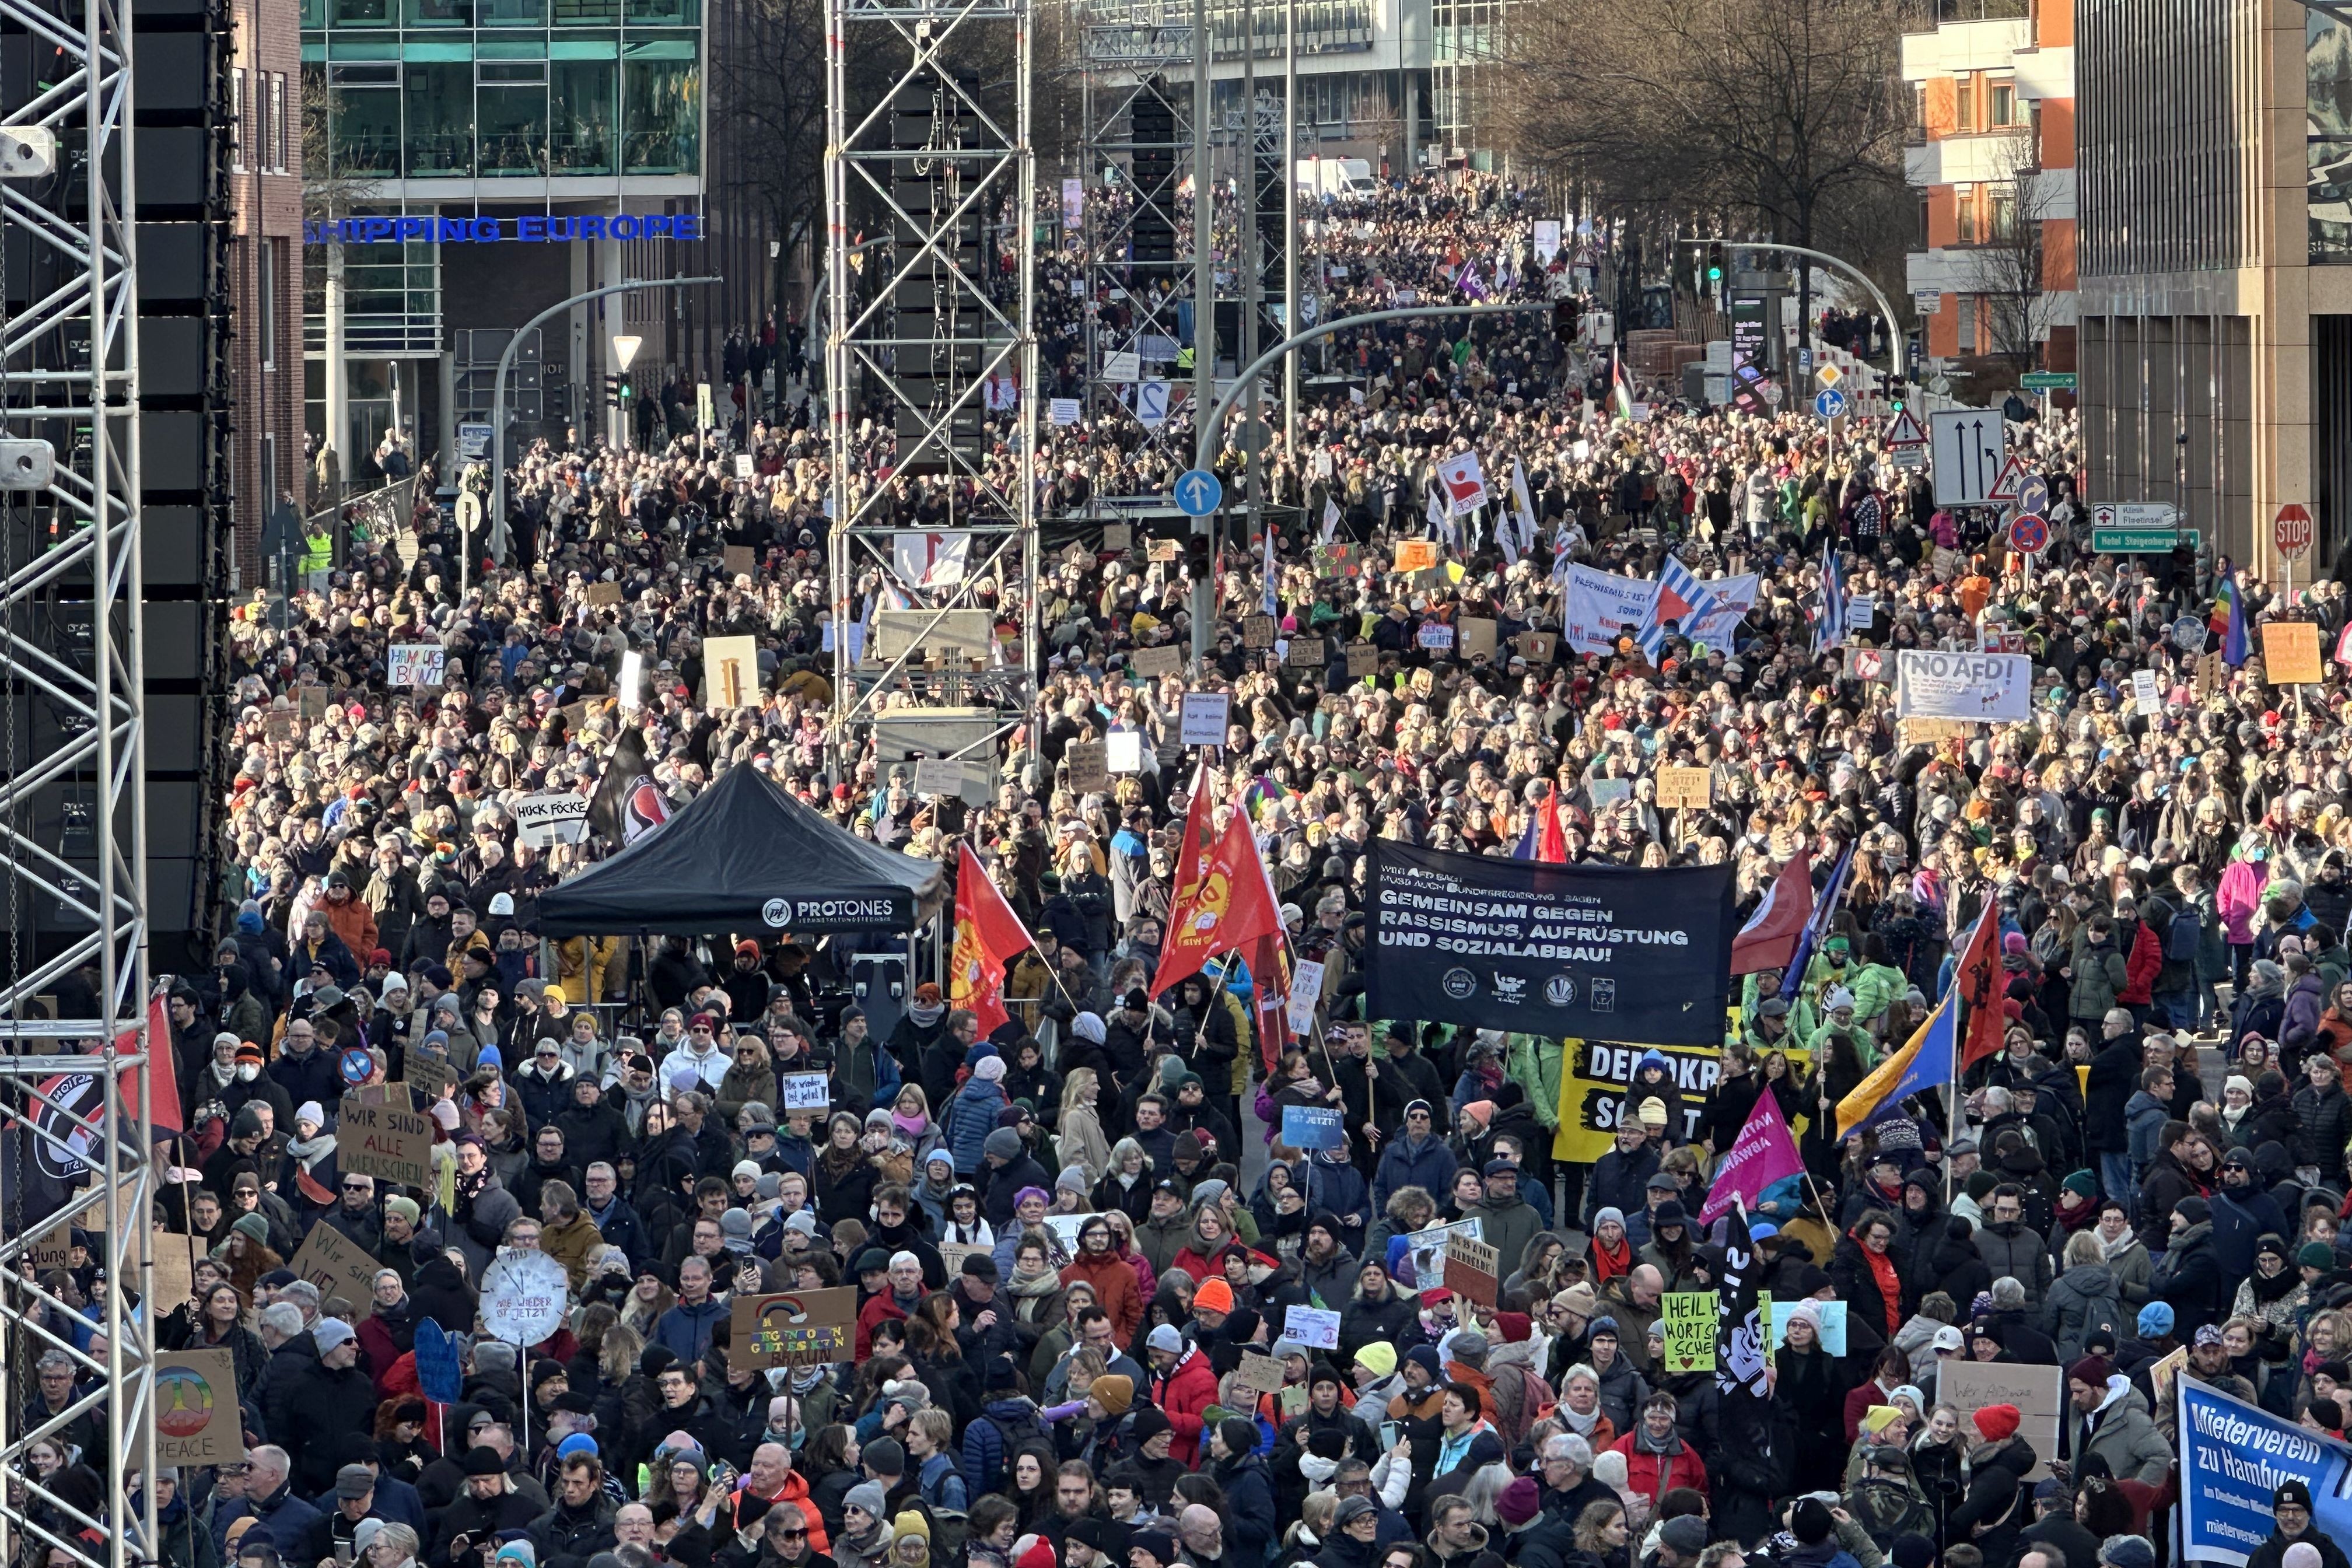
(73, 810)
(1136, 146)
(931, 338)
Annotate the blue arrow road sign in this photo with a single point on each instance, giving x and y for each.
(2033, 495)
(1198, 491)
(1829, 403)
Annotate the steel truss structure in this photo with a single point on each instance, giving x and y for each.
(1136, 146)
(73, 780)
(929, 330)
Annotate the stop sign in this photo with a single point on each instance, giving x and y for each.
(2291, 531)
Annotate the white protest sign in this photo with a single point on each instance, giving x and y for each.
(807, 1091)
(1313, 1327)
(1434, 635)
(633, 679)
(1305, 990)
(1204, 718)
(522, 1298)
(556, 817)
(1062, 410)
(415, 664)
(1601, 604)
(1994, 688)
(2145, 693)
(744, 465)
(1123, 751)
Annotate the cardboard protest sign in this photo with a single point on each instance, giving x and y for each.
(1538, 646)
(1304, 653)
(738, 560)
(1477, 637)
(1259, 1374)
(602, 593)
(1257, 631)
(1415, 555)
(196, 1419)
(1472, 1269)
(429, 1075)
(387, 1141)
(1119, 537)
(1363, 660)
(1204, 718)
(335, 1264)
(1425, 1250)
(2036, 1391)
(795, 1328)
(1090, 764)
(730, 672)
(1154, 662)
(1679, 787)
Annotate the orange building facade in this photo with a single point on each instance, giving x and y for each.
(1992, 158)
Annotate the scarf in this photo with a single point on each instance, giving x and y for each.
(925, 1017)
(311, 1151)
(912, 1126)
(399, 1320)
(1045, 1282)
(2111, 1250)
(1581, 1425)
(1667, 1446)
(1890, 1289)
(1608, 1264)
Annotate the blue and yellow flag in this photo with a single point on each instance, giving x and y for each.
(1925, 1062)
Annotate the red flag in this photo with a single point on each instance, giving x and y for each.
(1551, 839)
(1977, 977)
(988, 936)
(160, 1079)
(1269, 967)
(1768, 940)
(1231, 907)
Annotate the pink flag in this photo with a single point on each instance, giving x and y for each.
(1763, 1155)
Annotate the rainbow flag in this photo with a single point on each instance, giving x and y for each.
(2229, 619)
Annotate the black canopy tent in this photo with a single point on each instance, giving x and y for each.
(745, 857)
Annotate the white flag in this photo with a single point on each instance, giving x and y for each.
(1441, 521)
(1465, 482)
(930, 560)
(1330, 519)
(1526, 510)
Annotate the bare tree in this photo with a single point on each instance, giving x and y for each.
(769, 90)
(2007, 267)
(1782, 116)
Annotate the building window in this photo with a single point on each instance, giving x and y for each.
(2004, 105)
(1964, 104)
(278, 164)
(2002, 202)
(236, 119)
(1964, 214)
(1967, 323)
(266, 302)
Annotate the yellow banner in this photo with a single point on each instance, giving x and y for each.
(1595, 1074)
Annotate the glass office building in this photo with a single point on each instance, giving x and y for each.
(490, 108)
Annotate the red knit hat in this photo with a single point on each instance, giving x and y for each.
(1997, 1422)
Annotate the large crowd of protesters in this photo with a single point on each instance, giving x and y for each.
(1065, 1235)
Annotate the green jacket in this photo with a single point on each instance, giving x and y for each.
(1802, 1019)
(1534, 1064)
(1875, 985)
(1864, 1046)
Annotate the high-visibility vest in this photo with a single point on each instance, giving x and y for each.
(318, 552)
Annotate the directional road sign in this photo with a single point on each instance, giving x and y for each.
(1198, 491)
(2033, 495)
(1970, 453)
(2047, 380)
(1829, 403)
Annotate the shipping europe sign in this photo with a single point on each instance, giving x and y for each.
(1548, 949)
(529, 228)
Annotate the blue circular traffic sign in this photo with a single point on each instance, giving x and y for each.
(2033, 495)
(1829, 403)
(1197, 492)
(2030, 534)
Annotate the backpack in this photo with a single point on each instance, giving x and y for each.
(2182, 936)
(1026, 1429)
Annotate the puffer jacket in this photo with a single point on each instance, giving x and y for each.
(2019, 1251)
(970, 1118)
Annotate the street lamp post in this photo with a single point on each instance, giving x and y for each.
(1206, 430)
(1894, 338)
(498, 406)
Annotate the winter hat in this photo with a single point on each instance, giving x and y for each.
(1686, 1534)
(2093, 1369)
(1521, 1502)
(1910, 1551)
(1355, 1507)
(309, 1112)
(1033, 1552)
(1213, 1296)
(2316, 1255)
(2294, 1492)
(1001, 1375)
(885, 1456)
(867, 1496)
(1426, 1357)
(1166, 1338)
(2239, 1081)
(1148, 1422)
(1379, 1358)
(2196, 1210)
(2154, 1319)
(988, 1070)
(1113, 1392)
(1998, 1423)
(2131, 1552)
(1603, 1216)
(1004, 1144)
(330, 1334)
(405, 1207)
(1810, 1521)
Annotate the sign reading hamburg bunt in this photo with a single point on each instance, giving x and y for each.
(535, 227)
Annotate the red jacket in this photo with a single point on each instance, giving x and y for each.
(1652, 1474)
(871, 1315)
(795, 1493)
(2140, 966)
(1181, 1395)
(1117, 1290)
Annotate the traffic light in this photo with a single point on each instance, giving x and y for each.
(1196, 557)
(1895, 393)
(1715, 265)
(1566, 316)
(616, 391)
